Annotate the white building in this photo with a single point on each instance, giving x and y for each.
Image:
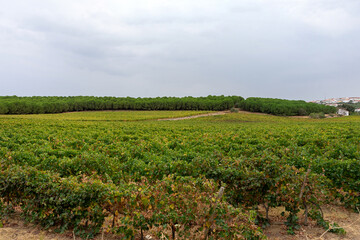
(357, 110)
(342, 112)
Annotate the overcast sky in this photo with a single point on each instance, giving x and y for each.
(294, 49)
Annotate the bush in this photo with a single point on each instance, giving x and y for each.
(317, 115)
(82, 205)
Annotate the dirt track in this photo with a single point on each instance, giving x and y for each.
(195, 116)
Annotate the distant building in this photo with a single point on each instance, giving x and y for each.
(342, 112)
(332, 101)
(357, 110)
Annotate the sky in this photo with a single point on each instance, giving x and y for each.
(292, 49)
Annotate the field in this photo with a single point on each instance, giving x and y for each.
(130, 175)
(109, 115)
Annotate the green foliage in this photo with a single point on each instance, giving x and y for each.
(317, 115)
(37, 105)
(111, 115)
(284, 107)
(49, 200)
(334, 227)
(146, 175)
(349, 107)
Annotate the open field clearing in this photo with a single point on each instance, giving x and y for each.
(109, 115)
(161, 178)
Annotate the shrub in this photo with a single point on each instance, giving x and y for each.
(317, 115)
(183, 204)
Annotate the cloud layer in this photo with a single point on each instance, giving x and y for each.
(299, 49)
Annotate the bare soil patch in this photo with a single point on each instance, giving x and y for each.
(15, 228)
(345, 218)
(194, 116)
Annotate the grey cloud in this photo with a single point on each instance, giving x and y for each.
(277, 48)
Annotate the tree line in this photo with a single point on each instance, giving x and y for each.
(38, 105)
(284, 107)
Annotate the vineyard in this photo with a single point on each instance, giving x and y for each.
(128, 174)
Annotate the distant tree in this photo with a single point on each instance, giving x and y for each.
(3, 109)
(349, 107)
(283, 107)
(28, 105)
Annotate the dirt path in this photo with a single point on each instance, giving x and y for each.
(195, 116)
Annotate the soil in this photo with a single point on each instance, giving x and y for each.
(345, 218)
(16, 229)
